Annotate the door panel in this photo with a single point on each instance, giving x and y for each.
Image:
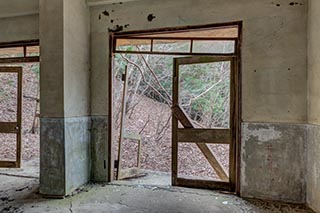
(135, 171)
(204, 95)
(10, 122)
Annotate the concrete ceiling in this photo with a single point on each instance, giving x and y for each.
(18, 8)
(101, 2)
(29, 7)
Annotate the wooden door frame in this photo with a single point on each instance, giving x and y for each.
(14, 127)
(238, 112)
(222, 136)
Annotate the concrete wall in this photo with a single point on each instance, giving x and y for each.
(65, 104)
(18, 8)
(274, 75)
(313, 151)
(19, 21)
(273, 161)
(19, 28)
(76, 93)
(314, 63)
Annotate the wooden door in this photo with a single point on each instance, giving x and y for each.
(204, 118)
(10, 119)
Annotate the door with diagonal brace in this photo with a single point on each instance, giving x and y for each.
(11, 111)
(204, 116)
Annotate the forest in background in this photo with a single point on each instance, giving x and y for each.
(204, 95)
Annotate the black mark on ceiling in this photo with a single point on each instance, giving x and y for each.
(295, 3)
(126, 25)
(117, 28)
(151, 17)
(106, 13)
(278, 5)
(112, 11)
(111, 21)
(99, 16)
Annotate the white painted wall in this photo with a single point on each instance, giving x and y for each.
(313, 167)
(76, 58)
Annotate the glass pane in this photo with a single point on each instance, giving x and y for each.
(8, 97)
(133, 45)
(204, 93)
(231, 32)
(33, 51)
(8, 147)
(11, 52)
(213, 46)
(177, 46)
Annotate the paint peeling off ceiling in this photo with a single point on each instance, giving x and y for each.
(102, 2)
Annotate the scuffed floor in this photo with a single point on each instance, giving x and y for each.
(20, 194)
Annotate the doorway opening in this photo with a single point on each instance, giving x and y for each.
(20, 109)
(175, 106)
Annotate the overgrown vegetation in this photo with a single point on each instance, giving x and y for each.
(204, 88)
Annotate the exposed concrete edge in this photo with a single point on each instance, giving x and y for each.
(77, 133)
(308, 202)
(14, 15)
(49, 126)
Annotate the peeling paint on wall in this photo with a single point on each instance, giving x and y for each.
(265, 134)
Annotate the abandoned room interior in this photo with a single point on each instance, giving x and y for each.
(159, 106)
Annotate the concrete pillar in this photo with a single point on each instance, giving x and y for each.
(65, 123)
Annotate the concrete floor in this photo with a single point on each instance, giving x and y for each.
(19, 193)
